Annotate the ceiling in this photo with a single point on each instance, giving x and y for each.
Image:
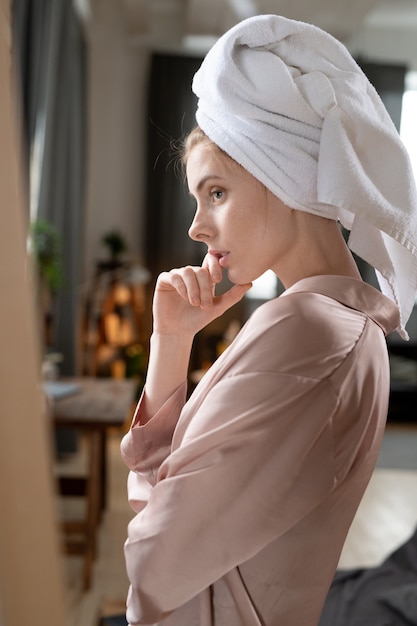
(379, 29)
(340, 17)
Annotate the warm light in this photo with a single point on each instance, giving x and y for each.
(118, 330)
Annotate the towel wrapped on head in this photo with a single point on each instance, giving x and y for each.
(288, 102)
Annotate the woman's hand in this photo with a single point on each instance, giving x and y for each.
(184, 300)
(184, 303)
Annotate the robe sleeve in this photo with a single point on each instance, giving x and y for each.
(145, 446)
(256, 458)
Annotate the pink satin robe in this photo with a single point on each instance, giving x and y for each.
(244, 494)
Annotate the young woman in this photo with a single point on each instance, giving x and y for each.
(244, 493)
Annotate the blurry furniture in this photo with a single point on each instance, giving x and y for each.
(95, 406)
(113, 319)
(403, 394)
(383, 594)
(114, 620)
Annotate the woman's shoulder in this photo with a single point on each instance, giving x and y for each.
(302, 311)
(302, 329)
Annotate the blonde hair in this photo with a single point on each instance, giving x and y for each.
(195, 137)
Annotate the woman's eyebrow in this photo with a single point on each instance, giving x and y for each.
(203, 180)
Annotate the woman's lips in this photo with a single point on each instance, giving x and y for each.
(217, 253)
(220, 256)
(223, 259)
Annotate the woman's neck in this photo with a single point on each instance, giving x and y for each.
(320, 250)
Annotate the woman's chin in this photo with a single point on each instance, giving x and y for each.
(237, 278)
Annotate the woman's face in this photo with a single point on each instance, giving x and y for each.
(243, 224)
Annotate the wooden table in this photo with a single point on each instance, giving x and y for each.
(99, 403)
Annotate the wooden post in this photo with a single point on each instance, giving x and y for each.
(31, 580)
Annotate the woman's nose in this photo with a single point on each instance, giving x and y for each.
(199, 230)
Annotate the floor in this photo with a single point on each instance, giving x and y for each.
(386, 518)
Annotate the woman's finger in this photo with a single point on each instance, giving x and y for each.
(211, 262)
(199, 286)
(193, 284)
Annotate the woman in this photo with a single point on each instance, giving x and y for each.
(244, 494)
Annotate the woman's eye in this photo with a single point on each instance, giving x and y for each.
(217, 194)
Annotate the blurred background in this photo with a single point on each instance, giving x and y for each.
(102, 95)
(106, 96)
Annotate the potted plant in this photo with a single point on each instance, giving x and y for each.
(116, 244)
(45, 246)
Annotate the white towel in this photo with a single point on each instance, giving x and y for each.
(289, 103)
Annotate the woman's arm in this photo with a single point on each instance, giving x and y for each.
(230, 489)
(184, 303)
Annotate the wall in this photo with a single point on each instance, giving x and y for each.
(117, 76)
(388, 35)
(120, 38)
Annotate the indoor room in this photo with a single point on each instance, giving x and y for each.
(96, 98)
